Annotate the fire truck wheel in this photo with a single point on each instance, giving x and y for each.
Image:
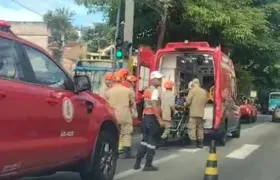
(104, 159)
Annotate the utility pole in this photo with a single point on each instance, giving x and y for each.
(61, 46)
(117, 32)
(128, 27)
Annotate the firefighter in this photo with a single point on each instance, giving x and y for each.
(151, 123)
(130, 83)
(167, 106)
(121, 99)
(196, 100)
(124, 73)
(107, 84)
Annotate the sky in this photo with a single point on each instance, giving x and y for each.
(11, 11)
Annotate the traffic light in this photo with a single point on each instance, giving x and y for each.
(119, 51)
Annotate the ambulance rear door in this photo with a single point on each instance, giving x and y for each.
(145, 65)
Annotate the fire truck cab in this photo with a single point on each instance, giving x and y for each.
(50, 121)
(183, 61)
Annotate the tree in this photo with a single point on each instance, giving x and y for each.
(248, 29)
(161, 8)
(99, 36)
(244, 27)
(61, 29)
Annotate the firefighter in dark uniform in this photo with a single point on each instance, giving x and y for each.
(152, 122)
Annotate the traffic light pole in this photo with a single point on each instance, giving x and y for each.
(117, 31)
(128, 27)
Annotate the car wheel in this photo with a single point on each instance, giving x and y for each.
(250, 119)
(256, 118)
(273, 119)
(236, 133)
(105, 159)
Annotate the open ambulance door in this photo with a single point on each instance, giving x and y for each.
(145, 64)
(144, 67)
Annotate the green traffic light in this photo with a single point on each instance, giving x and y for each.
(119, 54)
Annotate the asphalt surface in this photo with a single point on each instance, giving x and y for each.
(254, 156)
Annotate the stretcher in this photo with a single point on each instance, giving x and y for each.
(179, 122)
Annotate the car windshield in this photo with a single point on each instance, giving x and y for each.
(275, 96)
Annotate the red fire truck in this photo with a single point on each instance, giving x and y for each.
(50, 121)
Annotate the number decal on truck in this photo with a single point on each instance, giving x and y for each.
(67, 133)
(67, 110)
(11, 167)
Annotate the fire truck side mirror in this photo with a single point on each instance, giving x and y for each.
(82, 83)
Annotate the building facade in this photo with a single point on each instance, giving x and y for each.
(35, 32)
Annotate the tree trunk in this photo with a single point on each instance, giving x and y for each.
(162, 27)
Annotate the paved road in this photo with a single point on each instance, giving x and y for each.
(254, 156)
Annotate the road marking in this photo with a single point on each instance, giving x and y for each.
(243, 151)
(132, 171)
(240, 153)
(191, 150)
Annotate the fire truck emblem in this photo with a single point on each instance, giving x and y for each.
(67, 110)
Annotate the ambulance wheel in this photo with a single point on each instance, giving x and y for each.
(222, 139)
(104, 159)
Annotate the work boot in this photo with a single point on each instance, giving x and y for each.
(149, 167)
(127, 153)
(200, 143)
(192, 144)
(137, 164)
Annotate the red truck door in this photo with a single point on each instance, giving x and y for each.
(20, 110)
(66, 120)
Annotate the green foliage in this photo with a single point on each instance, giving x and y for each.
(59, 22)
(245, 81)
(99, 36)
(248, 29)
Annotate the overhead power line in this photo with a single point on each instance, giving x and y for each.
(25, 7)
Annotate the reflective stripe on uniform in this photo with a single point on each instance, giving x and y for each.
(148, 145)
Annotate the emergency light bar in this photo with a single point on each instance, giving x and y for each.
(5, 27)
(4, 24)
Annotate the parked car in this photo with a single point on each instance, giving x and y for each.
(276, 114)
(49, 121)
(249, 112)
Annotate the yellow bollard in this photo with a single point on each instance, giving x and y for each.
(211, 171)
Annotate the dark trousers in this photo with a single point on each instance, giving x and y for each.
(150, 129)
